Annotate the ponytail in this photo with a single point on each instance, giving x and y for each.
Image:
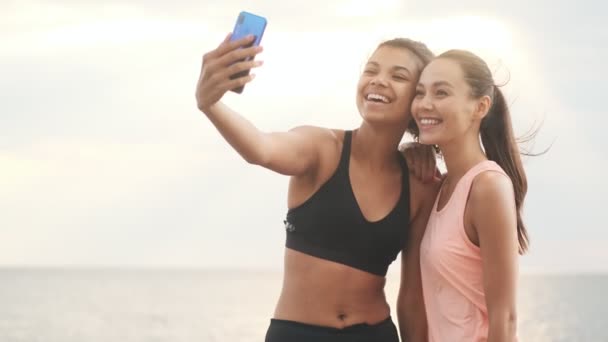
(500, 146)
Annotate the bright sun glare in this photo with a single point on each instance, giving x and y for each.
(482, 35)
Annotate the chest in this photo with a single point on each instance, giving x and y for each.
(375, 195)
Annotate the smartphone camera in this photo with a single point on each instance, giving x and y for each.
(241, 19)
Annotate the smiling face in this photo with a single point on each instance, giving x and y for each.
(386, 86)
(444, 107)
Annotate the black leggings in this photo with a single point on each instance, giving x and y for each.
(289, 331)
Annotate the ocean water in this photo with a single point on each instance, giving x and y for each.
(196, 305)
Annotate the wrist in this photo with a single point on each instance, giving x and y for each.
(208, 109)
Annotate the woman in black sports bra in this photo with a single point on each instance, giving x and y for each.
(353, 205)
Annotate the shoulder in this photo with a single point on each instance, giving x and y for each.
(317, 131)
(319, 135)
(326, 143)
(494, 214)
(492, 203)
(491, 186)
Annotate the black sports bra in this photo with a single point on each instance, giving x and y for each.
(330, 225)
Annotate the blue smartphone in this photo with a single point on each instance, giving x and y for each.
(246, 24)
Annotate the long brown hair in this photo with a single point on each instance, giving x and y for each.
(496, 130)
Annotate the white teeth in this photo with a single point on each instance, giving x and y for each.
(430, 121)
(378, 97)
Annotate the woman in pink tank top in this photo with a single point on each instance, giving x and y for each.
(470, 248)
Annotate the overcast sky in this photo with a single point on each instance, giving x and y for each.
(105, 160)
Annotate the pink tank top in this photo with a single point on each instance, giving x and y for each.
(451, 269)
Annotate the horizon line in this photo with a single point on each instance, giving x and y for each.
(224, 269)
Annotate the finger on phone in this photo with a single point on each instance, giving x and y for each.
(221, 48)
(242, 66)
(239, 82)
(229, 45)
(239, 55)
(246, 41)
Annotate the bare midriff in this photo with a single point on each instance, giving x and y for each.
(325, 293)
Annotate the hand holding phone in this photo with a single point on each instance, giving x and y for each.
(228, 66)
(247, 24)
